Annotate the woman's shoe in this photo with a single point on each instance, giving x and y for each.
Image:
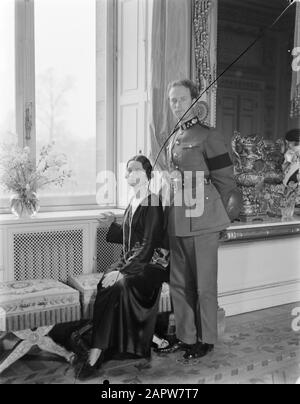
(88, 371)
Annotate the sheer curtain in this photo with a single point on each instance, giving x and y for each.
(170, 60)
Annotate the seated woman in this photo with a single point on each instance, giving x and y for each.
(128, 295)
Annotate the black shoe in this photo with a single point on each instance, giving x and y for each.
(87, 371)
(90, 371)
(198, 350)
(177, 345)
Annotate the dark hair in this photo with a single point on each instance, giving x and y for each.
(147, 166)
(293, 136)
(187, 84)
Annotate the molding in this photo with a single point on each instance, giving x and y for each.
(258, 288)
(263, 233)
(260, 297)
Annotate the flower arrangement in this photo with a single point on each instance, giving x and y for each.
(281, 199)
(20, 174)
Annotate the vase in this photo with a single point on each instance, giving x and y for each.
(24, 206)
(287, 210)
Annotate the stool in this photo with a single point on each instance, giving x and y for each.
(30, 309)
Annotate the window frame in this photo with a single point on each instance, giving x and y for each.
(25, 99)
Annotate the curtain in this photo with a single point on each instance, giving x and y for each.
(170, 60)
(295, 92)
(204, 56)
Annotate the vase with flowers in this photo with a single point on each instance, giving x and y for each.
(21, 175)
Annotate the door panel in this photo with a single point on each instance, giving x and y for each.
(239, 111)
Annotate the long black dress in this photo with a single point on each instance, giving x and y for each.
(125, 313)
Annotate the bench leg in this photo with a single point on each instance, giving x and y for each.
(31, 338)
(47, 344)
(19, 351)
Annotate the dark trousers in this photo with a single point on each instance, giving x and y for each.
(193, 281)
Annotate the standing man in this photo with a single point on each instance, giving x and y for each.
(194, 240)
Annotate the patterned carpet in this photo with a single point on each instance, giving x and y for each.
(257, 348)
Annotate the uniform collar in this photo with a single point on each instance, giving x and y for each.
(189, 124)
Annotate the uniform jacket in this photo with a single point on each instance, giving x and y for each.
(196, 147)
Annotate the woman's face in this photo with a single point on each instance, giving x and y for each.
(294, 146)
(135, 174)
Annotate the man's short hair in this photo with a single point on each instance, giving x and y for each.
(187, 84)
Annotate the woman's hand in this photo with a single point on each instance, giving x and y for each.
(107, 218)
(111, 278)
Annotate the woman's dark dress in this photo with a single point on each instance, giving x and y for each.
(125, 313)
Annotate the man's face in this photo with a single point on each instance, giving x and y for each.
(180, 100)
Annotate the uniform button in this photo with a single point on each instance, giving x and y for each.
(190, 146)
(177, 168)
(177, 142)
(175, 154)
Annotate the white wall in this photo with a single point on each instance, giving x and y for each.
(259, 274)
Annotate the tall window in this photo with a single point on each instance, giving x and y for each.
(75, 70)
(65, 83)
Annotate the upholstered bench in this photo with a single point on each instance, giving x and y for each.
(87, 286)
(37, 304)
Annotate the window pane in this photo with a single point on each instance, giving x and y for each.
(7, 77)
(65, 52)
(7, 71)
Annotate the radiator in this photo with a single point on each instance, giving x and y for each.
(55, 254)
(107, 253)
(60, 253)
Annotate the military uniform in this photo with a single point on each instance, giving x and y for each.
(194, 240)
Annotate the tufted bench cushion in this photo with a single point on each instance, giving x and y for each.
(37, 303)
(87, 286)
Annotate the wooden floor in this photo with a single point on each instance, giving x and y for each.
(257, 348)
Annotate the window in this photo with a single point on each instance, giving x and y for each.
(7, 75)
(77, 70)
(65, 88)
(7, 71)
